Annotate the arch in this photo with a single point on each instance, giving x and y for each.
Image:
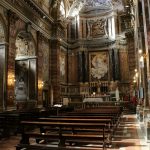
(3, 57)
(25, 45)
(3, 30)
(25, 69)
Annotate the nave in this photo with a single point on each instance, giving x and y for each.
(129, 136)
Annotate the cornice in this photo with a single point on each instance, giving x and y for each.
(95, 43)
(10, 5)
(38, 9)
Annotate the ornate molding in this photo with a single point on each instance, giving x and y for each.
(12, 17)
(38, 10)
(28, 15)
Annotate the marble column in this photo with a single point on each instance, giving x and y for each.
(80, 69)
(114, 61)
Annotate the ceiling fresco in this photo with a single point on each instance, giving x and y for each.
(90, 6)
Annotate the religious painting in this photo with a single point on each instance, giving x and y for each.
(98, 28)
(99, 66)
(24, 45)
(62, 66)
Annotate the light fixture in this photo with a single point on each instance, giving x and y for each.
(140, 51)
(44, 17)
(40, 84)
(94, 93)
(11, 79)
(141, 59)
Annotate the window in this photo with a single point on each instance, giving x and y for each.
(62, 9)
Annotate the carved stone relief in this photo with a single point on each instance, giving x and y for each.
(97, 28)
(24, 45)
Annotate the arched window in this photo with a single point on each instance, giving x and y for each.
(62, 9)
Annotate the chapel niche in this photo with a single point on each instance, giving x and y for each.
(25, 71)
(2, 65)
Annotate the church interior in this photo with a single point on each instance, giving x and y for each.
(74, 74)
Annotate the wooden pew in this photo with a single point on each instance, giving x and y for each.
(64, 137)
(75, 122)
(44, 147)
(10, 121)
(110, 124)
(110, 111)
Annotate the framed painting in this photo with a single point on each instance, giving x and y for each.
(98, 66)
(62, 66)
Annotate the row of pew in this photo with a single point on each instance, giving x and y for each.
(71, 131)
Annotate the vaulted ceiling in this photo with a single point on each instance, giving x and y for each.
(92, 6)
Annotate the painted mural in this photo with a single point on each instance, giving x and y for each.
(25, 46)
(62, 66)
(2, 38)
(43, 61)
(98, 66)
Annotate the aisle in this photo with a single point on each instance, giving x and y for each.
(129, 135)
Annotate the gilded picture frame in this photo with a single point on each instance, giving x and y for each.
(98, 66)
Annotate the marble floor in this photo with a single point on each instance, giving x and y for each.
(129, 136)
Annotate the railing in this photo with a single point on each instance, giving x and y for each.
(85, 89)
(81, 105)
(94, 88)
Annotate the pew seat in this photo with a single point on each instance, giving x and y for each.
(48, 147)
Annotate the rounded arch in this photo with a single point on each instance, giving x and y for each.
(3, 58)
(25, 45)
(3, 30)
(25, 68)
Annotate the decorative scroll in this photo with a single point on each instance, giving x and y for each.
(98, 66)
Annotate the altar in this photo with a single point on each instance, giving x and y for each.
(101, 98)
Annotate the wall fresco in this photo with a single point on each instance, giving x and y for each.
(62, 66)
